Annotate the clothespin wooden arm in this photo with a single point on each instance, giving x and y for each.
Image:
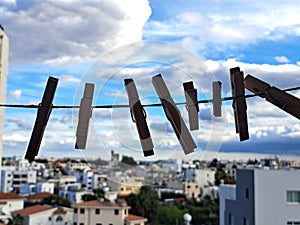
(191, 104)
(274, 95)
(138, 116)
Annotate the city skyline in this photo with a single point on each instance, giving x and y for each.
(71, 40)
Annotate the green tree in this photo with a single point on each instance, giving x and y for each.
(170, 214)
(16, 220)
(128, 160)
(88, 197)
(99, 193)
(204, 212)
(145, 203)
(56, 201)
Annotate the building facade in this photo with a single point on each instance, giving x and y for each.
(4, 52)
(261, 197)
(99, 213)
(46, 215)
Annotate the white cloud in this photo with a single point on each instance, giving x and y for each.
(16, 94)
(15, 138)
(69, 79)
(68, 140)
(60, 32)
(9, 2)
(215, 23)
(281, 59)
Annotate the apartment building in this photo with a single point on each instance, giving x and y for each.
(12, 178)
(46, 215)
(10, 202)
(125, 185)
(7, 178)
(99, 213)
(261, 197)
(31, 189)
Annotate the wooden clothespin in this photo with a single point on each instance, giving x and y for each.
(191, 104)
(173, 115)
(138, 116)
(274, 95)
(239, 103)
(85, 113)
(43, 114)
(217, 98)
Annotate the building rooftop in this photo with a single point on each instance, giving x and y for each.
(131, 217)
(32, 210)
(10, 196)
(96, 203)
(39, 196)
(59, 212)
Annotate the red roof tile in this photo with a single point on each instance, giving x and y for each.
(59, 212)
(6, 196)
(135, 218)
(96, 203)
(38, 196)
(32, 210)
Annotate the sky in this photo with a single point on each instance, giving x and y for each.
(106, 41)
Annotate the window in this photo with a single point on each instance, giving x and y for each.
(49, 218)
(293, 223)
(247, 193)
(125, 211)
(98, 223)
(116, 212)
(189, 186)
(81, 224)
(74, 223)
(293, 196)
(75, 210)
(81, 211)
(59, 218)
(230, 219)
(97, 211)
(245, 221)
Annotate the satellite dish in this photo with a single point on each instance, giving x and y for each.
(187, 217)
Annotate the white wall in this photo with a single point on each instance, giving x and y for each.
(4, 51)
(7, 178)
(12, 205)
(271, 206)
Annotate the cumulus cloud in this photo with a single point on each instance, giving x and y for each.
(60, 32)
(16, 94)
(21, 123)
(216, 25)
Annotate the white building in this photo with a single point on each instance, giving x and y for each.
(202, 177)
(105, 213)
(4, 51)
(13, 177)
(46, 215)
(23, 177)
(9, 202)
(31, 189)
(87, 178)
(7, 178)
(45, 187)
(261, 197)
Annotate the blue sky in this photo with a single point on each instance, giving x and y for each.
(106, 41)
